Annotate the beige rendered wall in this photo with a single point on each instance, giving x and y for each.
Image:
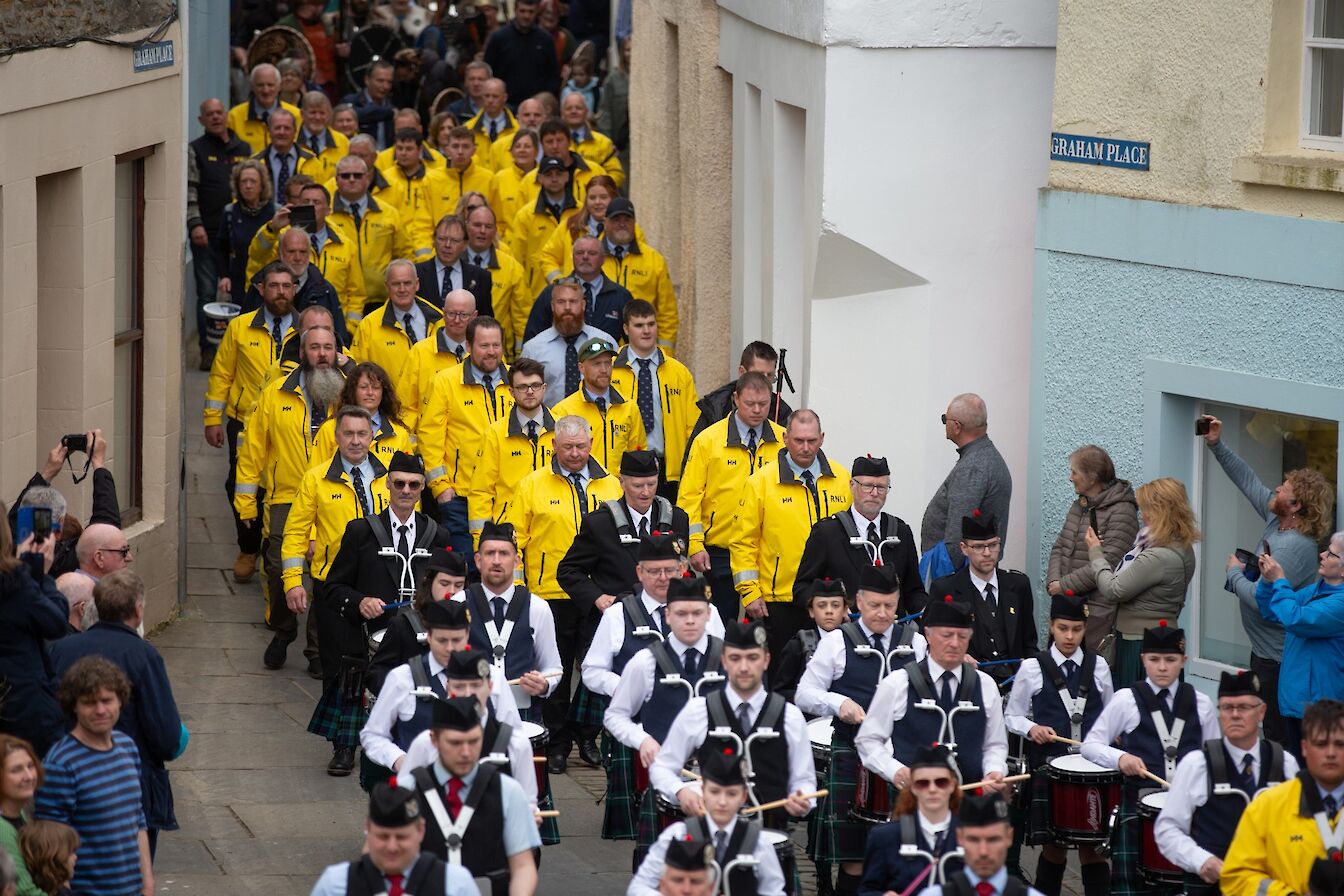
(1214, 86)
(65, 114)
(681, 163)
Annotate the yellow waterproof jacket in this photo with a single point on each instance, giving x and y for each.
(615, 432)
(531, 228)
(457, 413)
(557, 255)
(433, 159)
(598, 150)
(336, 146)
(509, 297)
(276, 447)
(546, 514)
(338, 263)
(583, 172)
(505, 457)
(238, 373)
(485, 156)
(777, 512)
(716, 471)
(447, 192)
(426, 359)
(1276, 841)
(381, 337)
(391, 437)
(643, 271)
(308, 165)
(244, 122)
(414, 196)
(676, 395)
(323, 505)
(507, 196)
(381, 237)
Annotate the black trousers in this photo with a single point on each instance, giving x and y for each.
(556, 707)
(785, 620)
(720, 577)
(249, 532)
(1268, 673)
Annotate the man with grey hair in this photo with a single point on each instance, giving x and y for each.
(316, 135)
(386, 335)
(102, 549)
(249, 119)
(978, 485)
(40, 493)
(78, 591)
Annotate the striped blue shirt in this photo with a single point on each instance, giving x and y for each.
(97, 792)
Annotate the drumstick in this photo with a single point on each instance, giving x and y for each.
(517, 681)
(1152, 777)
(692, 775)
(779, 804)
(1008, 780)
(1065, 740)
(548, 813)
(539, 759)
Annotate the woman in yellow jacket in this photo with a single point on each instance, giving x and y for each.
(507, 194)
(367, 386)
(556, 258)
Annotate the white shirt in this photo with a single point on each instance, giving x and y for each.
(980, 584)
(610, 638)
(417, 318)
(890, 704)
(814, 694)
(1190, 790)
(655, 435)
(769, 877)
(397, 523)
(689, 730)
(455, 267)
(396, 701)
(861, 523)
(1030, 680)
(422, 753)
(635, 689)
(457, 882)
(542, 623)
(1121, 716)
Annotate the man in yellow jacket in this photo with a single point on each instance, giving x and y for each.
(277, 451)
(385, 336)
(615, 420)
(509, 298)
(717, 466)
(410, 118)
(779, 507)
(493, 123)
(547, 510)
(249, 347)
(461, 175)
(662, 388)
(328, 146)
(594, 147)
(463, 402)
(442, 351)
(375, 230)
(530, 116)
(550, 207)
(521, 443)
(640, 268)
(414, 189)
(248, 119)
(1289, 826)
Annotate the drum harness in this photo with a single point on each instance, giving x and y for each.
(626, 530)
(354, 668)
(662, 655)
(499, 637)
(1074, 706)
(453, 831)
(499, 750)
(697, 829)
(768, 726)
(874, 551)
(1170, 737)
(910, 849)
(923, 688)
(634, 610)
(903, 648)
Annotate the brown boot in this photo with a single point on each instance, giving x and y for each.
(244, 567)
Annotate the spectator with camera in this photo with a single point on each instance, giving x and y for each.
(39, 494)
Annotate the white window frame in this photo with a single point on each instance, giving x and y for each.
(1309, 43)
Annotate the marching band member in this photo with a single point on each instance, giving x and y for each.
(1156, 721)
(984, 834)
(1213, 785)
(1079, 686)
(923, 818)
(827, 607)
(406, 636)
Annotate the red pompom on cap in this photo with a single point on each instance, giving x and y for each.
(1069, 593)
(947, 598)
(976, 513)
(1162, 623)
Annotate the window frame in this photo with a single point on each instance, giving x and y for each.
(133, 510)
(1309, 140)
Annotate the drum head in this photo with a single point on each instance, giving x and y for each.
(1076, 764)
(532, 731)
(368, 45)
(1154, 801)
(774, 838)
(279, 42)
(819, 731)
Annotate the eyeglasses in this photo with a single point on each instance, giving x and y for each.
(1239, 709)
(984, 547)
(349, 175)
(124, 552)
(404, 484)
(661, 573)
(926, 783)
(945, 419)
(529, 387)
(459, 315)
(1330, 553)
(871, 489)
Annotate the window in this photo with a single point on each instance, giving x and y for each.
(1323, 87)
(128, 353)
(1272, 444)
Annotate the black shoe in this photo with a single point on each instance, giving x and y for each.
(342, 762)
(557, 762)
(274, 657)
(314, 667)
(588, 752)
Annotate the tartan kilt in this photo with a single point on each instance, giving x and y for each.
(620, 816)
(839, 839)
(650, 824)
(1126, 880)
(338, 720)
(550, 827)
(1037, 795)
(586, 708)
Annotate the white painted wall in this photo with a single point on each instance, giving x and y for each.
(897, 268)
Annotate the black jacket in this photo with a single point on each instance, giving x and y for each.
(598, 563)
(315, 291)
(719, 404)
(375, 119)
(32, 611)
(106, 509)
(828, 554)
(1014, 609)
(477, 281)
(215, 159)
(358, 572)
(606, 316)
(525, 60)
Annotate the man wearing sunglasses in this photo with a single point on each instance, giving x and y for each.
(361, 584)
(102, 549)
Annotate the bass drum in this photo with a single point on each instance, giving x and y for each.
(367, 46)
(279, 42)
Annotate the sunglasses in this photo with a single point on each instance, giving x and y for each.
(349, 175)
(124, 552)
(404, 484)
(926, 783)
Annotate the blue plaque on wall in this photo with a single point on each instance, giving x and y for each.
(1099, 151)
(151, 56)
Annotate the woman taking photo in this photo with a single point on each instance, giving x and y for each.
(1107, 504)
(925, 816)
(20, 776)
(1150, 583)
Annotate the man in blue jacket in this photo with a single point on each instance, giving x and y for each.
(150, 717)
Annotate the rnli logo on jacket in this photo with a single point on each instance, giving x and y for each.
(620, 429)
(673, 392)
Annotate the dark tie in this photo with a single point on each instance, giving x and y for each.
(720, 845)
(644, 527)
(577, 479)
(358, 479)
(989, 597)
(1248, 772)
(315, 144)
(576, 136)
(1162, 698)
(447, 285)
(688, 662)
(403, 541)
(282, 178)
(532, 431)
(744, 716)
(499, 612)
(644, 393)
(264, 115)
(873, 536)
(938, 842)
(409, 323)
(571, 365)
(278, 335)
(661, 622)
(810, 481)
(394, 887)
(478, 260)
(588, 306)
(359, 218)
(317, 247)
(945, 696)
(316, 416)
(751, 442)
(486, 381)
(459, 352)
(1071, 677)
(877, 643)
(454, 797)
(1331, 806)
(601, 405)
(619, 252)
(494, 132)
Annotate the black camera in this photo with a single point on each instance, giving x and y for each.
(76, 442)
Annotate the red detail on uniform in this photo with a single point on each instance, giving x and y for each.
(1069, 593)
(1162, 623)
(947, 598)
(727, 751)
(877, 562)
(975, 512)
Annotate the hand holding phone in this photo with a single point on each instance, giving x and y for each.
(34, 522)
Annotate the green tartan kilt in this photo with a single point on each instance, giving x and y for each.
(838, 838)
(620, 816)
(651, 821)
(550, 827)
(338, 720)
(587, 707)
(1126, 880)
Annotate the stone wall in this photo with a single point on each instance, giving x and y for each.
(26, 23)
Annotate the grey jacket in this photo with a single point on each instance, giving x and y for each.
(1149, 589)
(979, 479)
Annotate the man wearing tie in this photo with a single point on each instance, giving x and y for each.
(983, 833)
(615, 420)
(604, 297)
(386, 335)
(444, 350)
(640, 268)
(451, 270)
(283, 157)
(557, 347)
(375, 229)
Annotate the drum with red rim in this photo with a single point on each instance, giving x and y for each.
(873, 799)
(1082, 795)
(1154, 867)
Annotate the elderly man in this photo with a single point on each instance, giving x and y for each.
(386, 335)
(103, 549)
(450, 269)
(430, 355)
(283, 157)
(979, 481)
(373, 105)
(78, 591)
(557, 347)
(150, 716)
(376, 230)
(39, 493)
(249, 119)
(604, 298)
(493, 123)
(326, 145)
(594, 147)
(530, 116)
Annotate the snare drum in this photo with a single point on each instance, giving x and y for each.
(819, 732)
(537, 736)
(1017, 756)
(783, 847)
(872, 797)
(1154, 867)
(1082, 795)
(668, 812)
(376, 640)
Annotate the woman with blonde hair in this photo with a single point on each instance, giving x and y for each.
(1150, 582)
(50, 851)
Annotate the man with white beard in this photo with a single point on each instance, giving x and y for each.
(279, 438)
